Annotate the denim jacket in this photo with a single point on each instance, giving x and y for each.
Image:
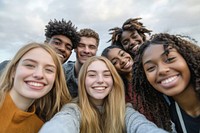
(72, 81)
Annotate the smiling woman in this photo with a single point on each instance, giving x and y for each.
(169, 65)
(100, 107)
(32, 89)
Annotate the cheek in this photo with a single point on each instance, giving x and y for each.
(150, 77)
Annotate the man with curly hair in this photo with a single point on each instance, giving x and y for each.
(63, 37)
(130, 36)
(86, 48)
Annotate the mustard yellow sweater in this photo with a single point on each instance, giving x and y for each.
(14, 120)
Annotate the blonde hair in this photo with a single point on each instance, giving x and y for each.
(49, 104)
(112, 119)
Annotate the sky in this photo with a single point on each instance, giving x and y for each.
(24, 21)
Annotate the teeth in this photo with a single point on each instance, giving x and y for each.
(99, 88)
(169, 80)
(60, 55)
(35, 84)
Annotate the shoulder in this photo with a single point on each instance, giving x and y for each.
(67, 120)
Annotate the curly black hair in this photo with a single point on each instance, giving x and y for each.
(153, 100)
(130, 24)
(62, 28)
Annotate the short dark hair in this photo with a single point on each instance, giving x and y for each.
(62, 28)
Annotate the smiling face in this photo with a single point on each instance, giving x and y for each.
(122, 61)
(34, 75)
(98, 82)
(86, 48)
(169, 74)
(62, 45)
(131, 41)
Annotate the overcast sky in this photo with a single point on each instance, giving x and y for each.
(23, 21)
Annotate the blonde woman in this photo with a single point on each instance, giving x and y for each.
(100, 107)
(32, 89)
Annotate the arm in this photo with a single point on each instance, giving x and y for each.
(65, 121)
(137, 123)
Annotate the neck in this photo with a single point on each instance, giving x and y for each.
(20, 101)
(189, 101)
(78, 66)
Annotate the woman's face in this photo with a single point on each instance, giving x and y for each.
(168, 74)
(122, 61)
(34, 75)
(131, 41)
(98, 82)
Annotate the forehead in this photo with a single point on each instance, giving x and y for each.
(113, 52)
(88, 40)
(153, 52)
(62, 38)
(39, 55)
(127, 33)
(97, 66)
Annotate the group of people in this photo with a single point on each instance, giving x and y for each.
(140, 83)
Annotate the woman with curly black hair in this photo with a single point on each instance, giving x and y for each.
(169, 65)
(130, 36)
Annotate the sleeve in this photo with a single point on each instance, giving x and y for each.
(65, 121)
(137, 123)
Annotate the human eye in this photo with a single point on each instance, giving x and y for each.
(92, 47)
(170, 59)
(107, 74)
(125, 43)
(28, 64)
(81, 45)
(149, 68)
(56, 42)
(122, 54)
(68, 47)
(50, 70)
(91, 74)
(114, 62)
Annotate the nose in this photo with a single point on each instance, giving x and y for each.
(61, 47)
(100, 79)
(38, 73)
(122, 61)
(163, 69)
(86, 50)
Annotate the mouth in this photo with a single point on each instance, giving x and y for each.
(35, 85)
(99, 88)
(169, 82)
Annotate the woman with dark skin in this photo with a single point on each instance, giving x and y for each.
(169, 65)
(123, 63)
(130, 36)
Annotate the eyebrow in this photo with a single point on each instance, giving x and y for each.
(31, 60)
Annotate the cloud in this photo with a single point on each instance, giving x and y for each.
(24, 21)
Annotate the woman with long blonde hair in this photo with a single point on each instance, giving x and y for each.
(100, 106)
(32, 89)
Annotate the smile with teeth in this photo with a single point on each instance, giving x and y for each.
(99, 88)
(35, 84)
(169, 80)
(60, 55)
